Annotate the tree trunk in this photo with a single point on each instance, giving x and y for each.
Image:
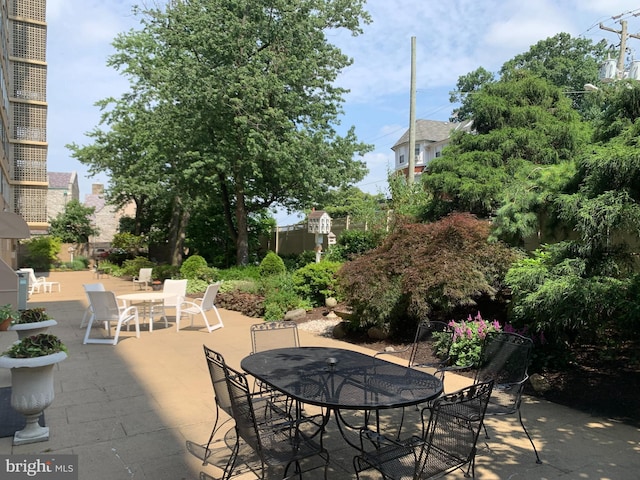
(242, 240)
(177, 231)
(140, 205)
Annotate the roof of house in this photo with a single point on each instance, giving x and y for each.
(317, 214)
(60, 179)
(433, 131)
(96, 201)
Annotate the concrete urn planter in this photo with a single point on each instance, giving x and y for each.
(34, 328)
(32, 392)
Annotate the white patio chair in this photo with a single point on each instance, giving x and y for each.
(200, 306)
(143, 278)
(35, 283)
(90, 287)
(175, 291)
(105, 308)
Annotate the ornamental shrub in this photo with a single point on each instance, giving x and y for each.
(194, 267)
(42, 252)
(426, 271)
(352, 243)
(316, 281)
(279, 296)
(272, 264)
(468, 336)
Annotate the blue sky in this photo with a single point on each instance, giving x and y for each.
(453, 37)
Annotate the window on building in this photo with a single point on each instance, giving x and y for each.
(438, 154)
(401, 159)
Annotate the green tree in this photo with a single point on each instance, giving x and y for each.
(527, 136)
(146, 159)
(466, 86)
(129, 242)
(584, 288)
(350, 201)
(248, 87)
(564, 61)
(42, 251)
(74, 225)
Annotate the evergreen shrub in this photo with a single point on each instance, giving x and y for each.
(272, 264)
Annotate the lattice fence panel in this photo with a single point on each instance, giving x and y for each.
(30, 122)
(29, 41)
(30, 81)
(31, 9)
(31, 203)
(30, 163)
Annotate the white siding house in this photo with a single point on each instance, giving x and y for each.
(431, 137)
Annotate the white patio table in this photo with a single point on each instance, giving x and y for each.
(147, 300)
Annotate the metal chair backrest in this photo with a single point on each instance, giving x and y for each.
(209, 298)
(454, 425)
(505, 358)
(104, 305)
(242, 407)
(177, 289)
(270, 335)
(218, 373)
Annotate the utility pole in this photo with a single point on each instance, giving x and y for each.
(412, 116)
(623, 44)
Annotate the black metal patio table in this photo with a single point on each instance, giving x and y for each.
(340, 379)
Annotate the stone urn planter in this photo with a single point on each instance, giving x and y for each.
(32, 321)
(29, 329)
(32, 382)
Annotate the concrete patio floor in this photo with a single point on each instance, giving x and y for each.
(128, 411)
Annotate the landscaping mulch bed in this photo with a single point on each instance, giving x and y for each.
(607, 387)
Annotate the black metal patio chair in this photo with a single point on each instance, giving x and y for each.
(281, 444)
(422, 355)
(448, 442)
(218, 370)
(268, 336)
(505, 358)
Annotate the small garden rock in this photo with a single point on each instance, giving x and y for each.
(295, 314)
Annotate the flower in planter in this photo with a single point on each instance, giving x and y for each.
(36, 346)
(31, 315)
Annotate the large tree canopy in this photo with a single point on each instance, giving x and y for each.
(566, 62)
(526, 136)
(245, 111)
